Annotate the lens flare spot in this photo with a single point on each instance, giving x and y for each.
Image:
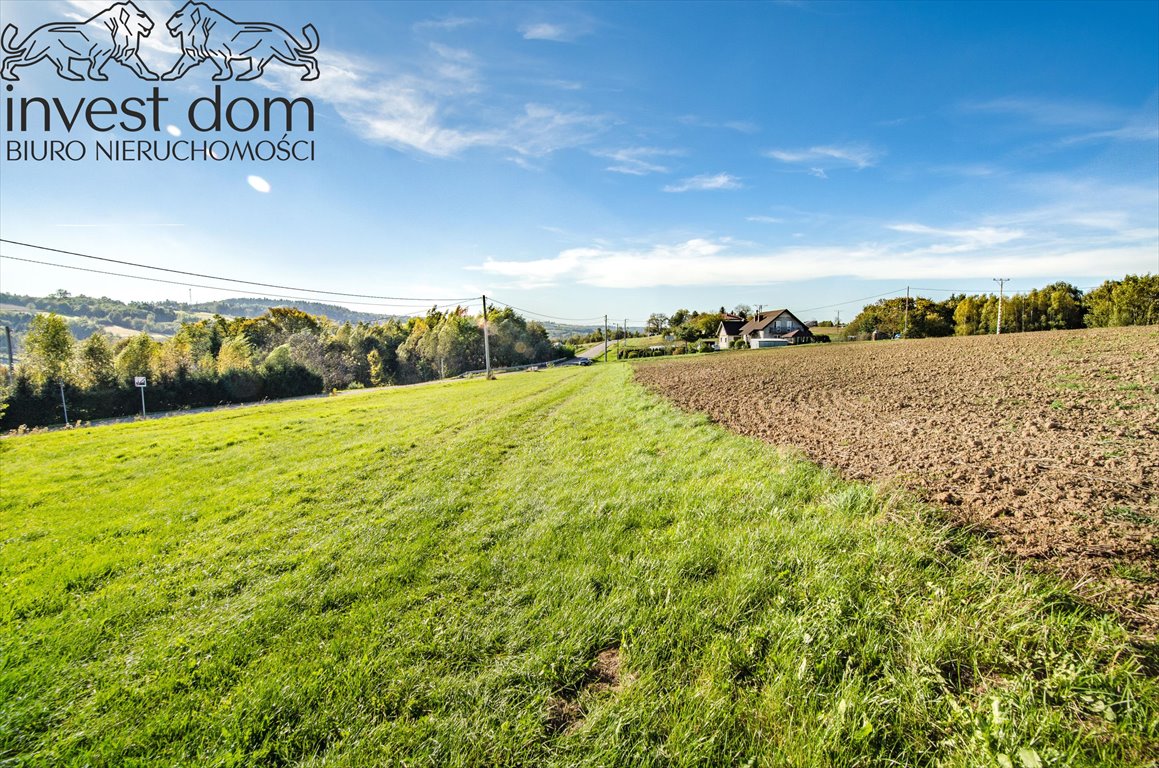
(258, 183)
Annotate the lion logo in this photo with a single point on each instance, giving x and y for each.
(206, 33)
(114, 34)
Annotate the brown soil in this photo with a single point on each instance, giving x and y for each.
(565, 710)
(1049, 441)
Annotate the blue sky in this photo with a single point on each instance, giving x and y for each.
(627, 158)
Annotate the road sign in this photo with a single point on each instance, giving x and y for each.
(139, 383)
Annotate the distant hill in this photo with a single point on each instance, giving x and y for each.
(255, 307)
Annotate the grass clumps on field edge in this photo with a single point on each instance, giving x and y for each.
(554, 568)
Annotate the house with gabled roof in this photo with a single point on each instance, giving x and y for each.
(775, 328)
(729, 330)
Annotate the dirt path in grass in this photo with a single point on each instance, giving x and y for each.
(1047, 441)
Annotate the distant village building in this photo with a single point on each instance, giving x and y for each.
(776, 328)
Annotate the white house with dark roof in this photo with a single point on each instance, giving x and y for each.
(728, 331)
(775, 328)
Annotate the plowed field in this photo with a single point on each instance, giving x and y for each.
(1047, 441)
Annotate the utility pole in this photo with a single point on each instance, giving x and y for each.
(486, 339)
(905, 327)
(1001, 284)
(63, 403)
(839, 318)
(11, 365)
(606, 338)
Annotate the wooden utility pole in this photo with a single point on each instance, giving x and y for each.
(606, 342)
(11, 364)
(1001, 284)
(486, 340)
(905, 327)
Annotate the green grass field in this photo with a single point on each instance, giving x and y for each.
(639, 342)
(450, 575)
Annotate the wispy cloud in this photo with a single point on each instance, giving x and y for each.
(740, 126)
(1094, 122)
(437, 109)
(705, 182)
(546, 31)
(446, 23)
(1139, 130)
(959, 240)
(969, 170)
(1048, 112)
(895, 122)
(638, 161)
(825, 157)
(1082, 229)
(542, 129)
(702, 262)
(564, 85)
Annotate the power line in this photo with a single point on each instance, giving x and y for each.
(852, 301)
(225, 279)
(216, 287)
(549, 317)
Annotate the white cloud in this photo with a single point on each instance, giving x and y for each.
(701, 262)
(565, 85)
(418, 111)
(1137, 131)
(448, 23)
(541, 130)
(258, 183)
(638, 161)
(819, 173)
(1099, 122)
(740, 126)
(545, 31)
(1047, 112)
(960, 240)
(705, 182)
(829, 156)
(1084, 229)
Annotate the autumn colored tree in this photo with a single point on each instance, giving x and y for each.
(48, 350)
(95, 362)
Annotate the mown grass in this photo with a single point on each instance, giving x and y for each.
(420, 577)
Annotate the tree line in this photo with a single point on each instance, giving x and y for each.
(1134, 300)
(283, 353)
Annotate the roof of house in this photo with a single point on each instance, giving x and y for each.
(732, 327)
(764, 319)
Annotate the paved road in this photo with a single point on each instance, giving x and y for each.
(593, 352)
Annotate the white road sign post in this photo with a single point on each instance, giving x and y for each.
(139, 383)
